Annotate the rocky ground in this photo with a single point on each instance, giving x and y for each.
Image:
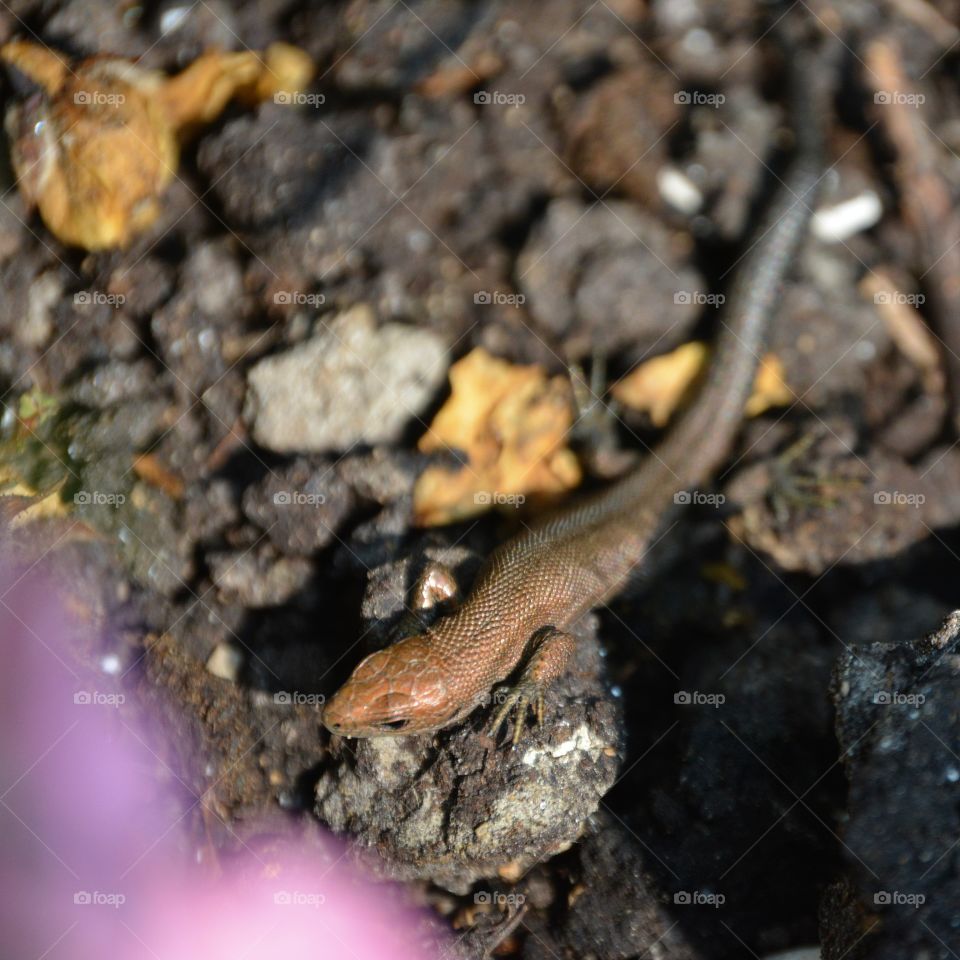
(758, 745)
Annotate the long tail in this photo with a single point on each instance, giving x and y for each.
(701, 440)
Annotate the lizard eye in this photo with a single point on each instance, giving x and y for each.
(392, 724)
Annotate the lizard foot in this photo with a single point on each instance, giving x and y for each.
(594, 432)
(552, 650)
(520, 697)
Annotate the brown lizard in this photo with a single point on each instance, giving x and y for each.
(539, 583)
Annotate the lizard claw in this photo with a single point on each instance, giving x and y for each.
(547, 662)
(519, 698)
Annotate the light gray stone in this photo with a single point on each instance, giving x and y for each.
(353, 382)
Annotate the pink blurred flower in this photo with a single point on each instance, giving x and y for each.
(92, 861)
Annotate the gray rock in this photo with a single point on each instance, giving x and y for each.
(213, 277)
(606, 277)
(380, 476)
(899, 732)
(156, 551)
(351, 383)
(210, 508)
(117, 381)
(257, 579)
(389, 587)
(300, 506)
(45, 292)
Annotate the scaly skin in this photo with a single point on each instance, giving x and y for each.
(538, 584)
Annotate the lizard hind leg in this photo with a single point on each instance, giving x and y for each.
(552, 651)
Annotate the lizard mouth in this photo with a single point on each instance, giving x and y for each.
(384, 728)
(345, 724)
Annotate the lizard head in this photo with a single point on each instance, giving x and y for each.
(396, 691)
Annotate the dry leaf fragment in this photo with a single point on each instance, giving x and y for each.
(906, 327)
(20, 505)
(458, 78)
(512, 424)
(149, 469)
(659, 387)
(725, 574)
(197, 95)
(95, 154)
(94, 149)
(47, 68)
(769, 387)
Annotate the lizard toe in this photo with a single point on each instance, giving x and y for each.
(517, 700)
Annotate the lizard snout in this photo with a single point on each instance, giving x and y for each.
(351, 716)
(393, 691)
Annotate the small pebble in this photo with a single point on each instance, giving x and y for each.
(225, 662)
(844, 220)
(679, 191)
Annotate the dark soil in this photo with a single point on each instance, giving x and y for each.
(754, 770)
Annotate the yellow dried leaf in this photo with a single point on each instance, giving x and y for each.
(45, 67)
(95, 155)
(286, 69)
(725, 574)
(20, 504)
(658, 386)
(512, 424)
(769, 387)
(97, 150)
(47, 507)
(197, 95)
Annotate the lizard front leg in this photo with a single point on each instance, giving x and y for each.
(552, 650)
